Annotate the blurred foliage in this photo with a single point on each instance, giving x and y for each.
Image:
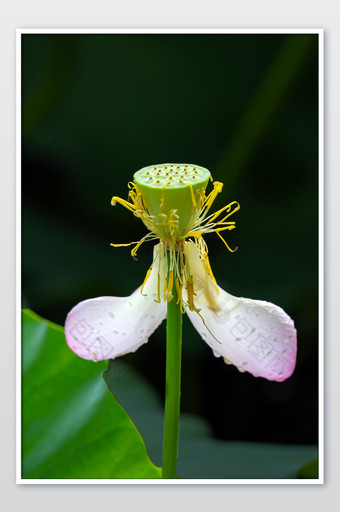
(96, 108)
(309, 470)
(200, 455)
(72, 427)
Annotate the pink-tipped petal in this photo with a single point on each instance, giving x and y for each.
(107, 327)
(255, 336)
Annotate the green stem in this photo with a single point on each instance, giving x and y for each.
(173, 387)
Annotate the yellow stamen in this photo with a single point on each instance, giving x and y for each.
(225, 243)
(145, 280)
(190, 292)
(194, 204)
(123, 202)
(224, 228)
(122, 245)
(237, 207)
(196, 234)
(206, 265)
(165, 289)
(212, 196)
(170, 285)
(227, 207)
(141, 241)
(179, 290)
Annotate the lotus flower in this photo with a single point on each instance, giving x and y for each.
(253, 335)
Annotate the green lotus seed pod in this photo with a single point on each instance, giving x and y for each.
(172, 191)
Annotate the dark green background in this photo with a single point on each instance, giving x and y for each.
(96, 108)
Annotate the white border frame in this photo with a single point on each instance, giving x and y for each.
(320, 480)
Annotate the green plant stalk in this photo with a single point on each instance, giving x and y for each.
(172, 387)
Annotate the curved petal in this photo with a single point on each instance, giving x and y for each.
(107, 327)
(255, 336)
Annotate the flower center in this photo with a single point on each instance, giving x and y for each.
(172, 194)
(170, 200)
(172, 175)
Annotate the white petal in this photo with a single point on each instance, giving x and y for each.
(255, 336)
(107, 327)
